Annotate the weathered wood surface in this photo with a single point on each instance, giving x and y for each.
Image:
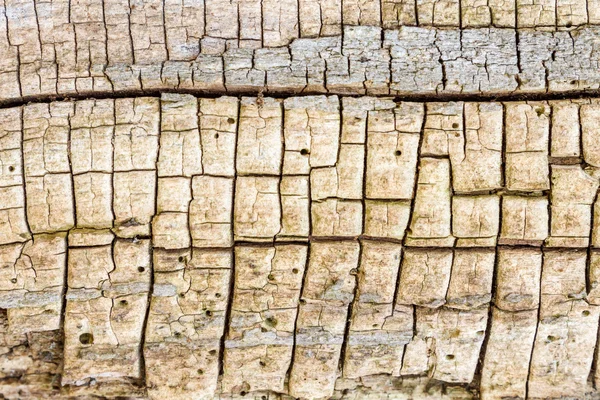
(408, 47)
(299, 199)
(182, 248)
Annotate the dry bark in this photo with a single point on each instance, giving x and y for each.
(317, 246)
(409, 47)
(327, 199)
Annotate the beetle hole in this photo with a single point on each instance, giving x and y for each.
(86, 338)
(540, 111)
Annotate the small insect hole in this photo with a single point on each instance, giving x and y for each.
(123, 302)
(14, 280)
(208, 313)
(585, 313)
(295, 270)
(540, 111)
(180, 259)
(217, 295)
(216, 135)
(455, 125)
(230, 120)
(304, 152)
(212, 352)
(86, 338)
(450, 357)
(11, 168)
(398, 153)
(141, 269)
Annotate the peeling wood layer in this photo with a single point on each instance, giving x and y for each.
(352, 47)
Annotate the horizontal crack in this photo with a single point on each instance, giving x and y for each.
(417, 97)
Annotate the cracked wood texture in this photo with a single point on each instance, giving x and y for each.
(299, 199)
(65, 48)
(183, 247)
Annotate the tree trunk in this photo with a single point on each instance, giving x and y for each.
(308, 199)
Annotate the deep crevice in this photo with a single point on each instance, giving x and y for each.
(407, 97)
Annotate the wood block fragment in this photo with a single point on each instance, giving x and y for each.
(322, 317)
(567, 329)
(260, 338)
(431, 219)
(518, 279)
(379, 329)
(504, 376)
